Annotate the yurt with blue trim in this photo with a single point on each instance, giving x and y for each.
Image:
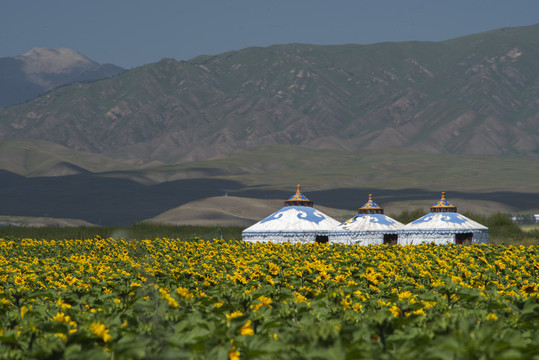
(369, 227)
(443, 225)
(297, 221)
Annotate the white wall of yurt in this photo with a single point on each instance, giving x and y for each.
(441, 236)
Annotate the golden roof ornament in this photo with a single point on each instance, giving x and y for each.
(443, 205)
(370, 207)
(298, 199)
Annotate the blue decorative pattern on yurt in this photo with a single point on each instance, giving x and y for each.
(454, 218)
(305, 213)
(275, 216)
(373, 218)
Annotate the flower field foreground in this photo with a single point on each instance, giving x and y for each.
(164, 298)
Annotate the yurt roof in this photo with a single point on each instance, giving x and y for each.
(370, 222)
(370, 217)
(444, 221)
(295, 218)
(443, 216)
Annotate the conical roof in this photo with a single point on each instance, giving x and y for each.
(370, 222)
(296, 219)
(301, 220)
(444, 216)
(370, 217)
(444, 221)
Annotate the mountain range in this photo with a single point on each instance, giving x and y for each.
(475, 95)
(458, 115)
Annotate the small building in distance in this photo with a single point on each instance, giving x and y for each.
(443, 225)
(297, 221)
(369, 227)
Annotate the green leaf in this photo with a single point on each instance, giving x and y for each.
(53, 327)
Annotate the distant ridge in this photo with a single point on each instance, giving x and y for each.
(26, 76)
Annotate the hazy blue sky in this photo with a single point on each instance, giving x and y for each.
(131, 33)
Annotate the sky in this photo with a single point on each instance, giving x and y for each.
(131, 33)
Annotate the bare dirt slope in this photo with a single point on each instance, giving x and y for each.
(231, 211)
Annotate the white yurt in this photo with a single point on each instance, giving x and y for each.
(369, 227)
(443, 225)
(297, 221)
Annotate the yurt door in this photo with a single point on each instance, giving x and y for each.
(463, 239)
(321, 239)
(391, 239)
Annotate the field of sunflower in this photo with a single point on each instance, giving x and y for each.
(105, 298)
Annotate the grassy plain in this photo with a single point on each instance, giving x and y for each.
(278, 166)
